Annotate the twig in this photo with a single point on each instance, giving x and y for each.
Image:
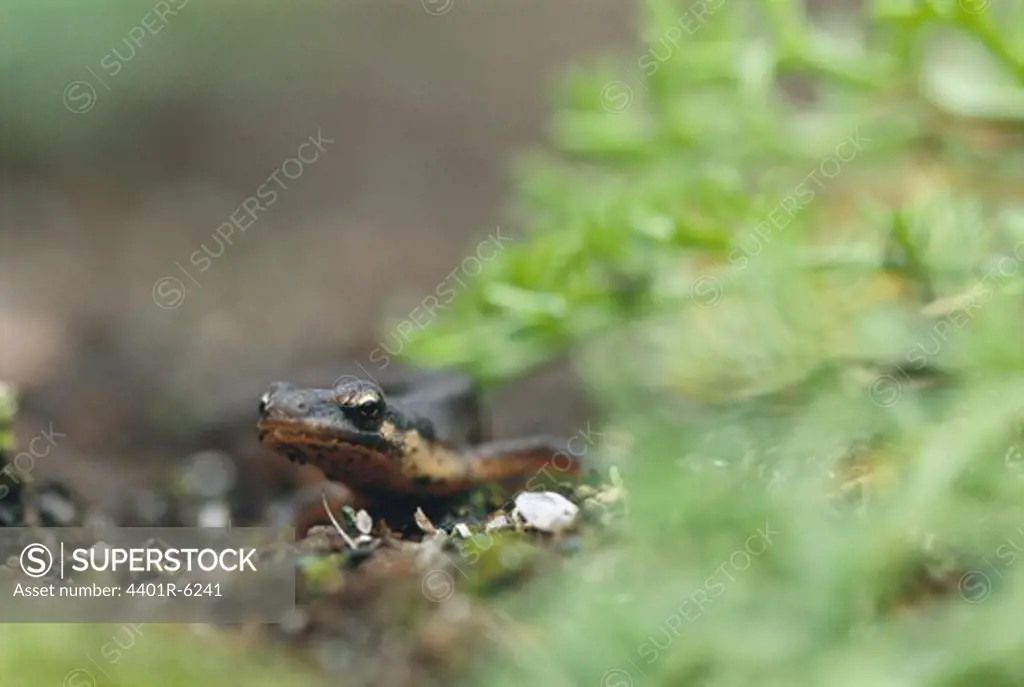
(334, 521)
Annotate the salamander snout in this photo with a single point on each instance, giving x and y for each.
(282, 400)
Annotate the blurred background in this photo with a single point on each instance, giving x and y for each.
(131, 131)
(200, 198)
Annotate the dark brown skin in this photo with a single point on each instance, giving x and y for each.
(390, 454)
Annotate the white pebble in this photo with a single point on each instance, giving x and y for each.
(546, 511)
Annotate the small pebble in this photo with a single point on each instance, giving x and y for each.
(11, 515)
(616, 477)
(209, 474)
(570, 545)
(359, 555)
(423, 522)
(152, 508)
(56, 506)
(214, 514)
(364, 523)
(546, 510)
(294, 622)
(498, 522)
(280, 514)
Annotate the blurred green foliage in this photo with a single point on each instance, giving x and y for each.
(135, 654)
(690, 145)
(141, 61)
(8, 411)
(713, 256)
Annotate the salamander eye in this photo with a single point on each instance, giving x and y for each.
(370, 410)
(363, 403)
